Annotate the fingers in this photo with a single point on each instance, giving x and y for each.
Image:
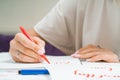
(41, 44)
(86, 52)
(38, 41)
(21, 38)
(24, 50)
(89, 54)
(93, 53)
(20, 57)
(111, 58)
(87, 48)
(95, 58)
(28, 49)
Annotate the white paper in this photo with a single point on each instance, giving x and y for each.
(54, 60)
(8, 67)
(61, 68)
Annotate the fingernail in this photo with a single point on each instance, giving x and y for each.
(76, 55)
(76, 52)
(43, 48)
(88, 60)
(41, 52)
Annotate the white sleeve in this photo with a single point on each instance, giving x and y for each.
(56, 29)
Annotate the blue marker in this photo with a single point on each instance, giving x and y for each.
(33, 72)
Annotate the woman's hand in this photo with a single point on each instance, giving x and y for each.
(24, 50)
(94, 53)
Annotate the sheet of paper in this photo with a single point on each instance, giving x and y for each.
(62, 72)
(8, 67)
(7, 76)
(65, 68)
(54, 60)
(90, 71)
(98, 71)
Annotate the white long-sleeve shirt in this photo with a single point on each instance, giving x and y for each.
(73, 24)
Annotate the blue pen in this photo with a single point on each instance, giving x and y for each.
(33, 72)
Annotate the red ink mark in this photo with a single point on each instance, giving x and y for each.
(110, 69)
(118, 76)
(83, 74)
(88, 75)
(75, 72)
(68, 62)
(79, 74)
(92, 75)
(60, 62)
(114, 76)
(101, 76)
(105, 75)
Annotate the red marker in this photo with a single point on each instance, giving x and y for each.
(25, 33)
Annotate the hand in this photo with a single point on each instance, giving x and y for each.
(93, 53)
(24, 50)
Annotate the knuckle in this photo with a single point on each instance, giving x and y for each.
(26, 43)
(42, 42)
(10, 51)
(17, 35)
(12, 43)
(36, 38)
(36, 48)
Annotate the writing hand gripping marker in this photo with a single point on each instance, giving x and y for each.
(27, 35)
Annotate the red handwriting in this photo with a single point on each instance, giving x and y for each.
(90, 75)
(62, 62)
(103, 68)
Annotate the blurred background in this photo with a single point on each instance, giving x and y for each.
(27, 13)
(14, 13)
